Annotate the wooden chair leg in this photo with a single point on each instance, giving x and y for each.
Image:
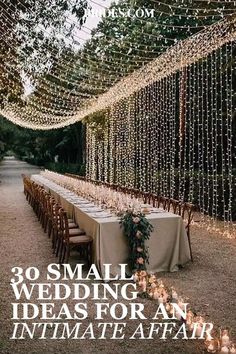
(53, 240)
(189, 242)
(67, 253)
(45, 223)
(87, 252)
(58, 245)
(63, 253)
(91, 253)
(49, 228)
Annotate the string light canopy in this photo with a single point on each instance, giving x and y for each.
(167, 103)
(64, 94)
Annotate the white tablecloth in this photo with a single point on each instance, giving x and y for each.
(168, 244)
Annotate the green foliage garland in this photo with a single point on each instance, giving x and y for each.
(97, 123)
(137, 229)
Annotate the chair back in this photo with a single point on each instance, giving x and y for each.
(64, 225)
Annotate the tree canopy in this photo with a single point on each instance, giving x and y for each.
(33, 34)
(42, 48)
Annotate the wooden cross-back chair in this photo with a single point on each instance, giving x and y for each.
(27, 188)
(58, 228)
(69, 239)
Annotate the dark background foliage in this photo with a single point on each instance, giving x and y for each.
(61, 150)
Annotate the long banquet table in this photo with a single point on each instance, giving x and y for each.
(168, 244)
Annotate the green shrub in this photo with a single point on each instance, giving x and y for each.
(66, 168)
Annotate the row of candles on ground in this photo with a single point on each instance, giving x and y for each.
(155, 289)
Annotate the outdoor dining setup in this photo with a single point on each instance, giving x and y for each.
(119, 118)
(82, 214)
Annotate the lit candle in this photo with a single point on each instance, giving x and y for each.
(198, 330)
(232, 349)
(152, 279)
(211, 348)
(143, 273)
(171, 310)
(135, 277)
(150, 294)
(161, 285)
(189, 318)
(168, 307)
(191, 326)
(189, 323)
(144, 285)
(156, 295)
(225, 340)
(200, 319)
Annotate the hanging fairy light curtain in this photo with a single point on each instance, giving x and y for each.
(175, 137)
(65, 94)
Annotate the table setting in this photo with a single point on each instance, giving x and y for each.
(97, 210)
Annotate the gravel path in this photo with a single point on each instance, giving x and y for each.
(208, 283)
